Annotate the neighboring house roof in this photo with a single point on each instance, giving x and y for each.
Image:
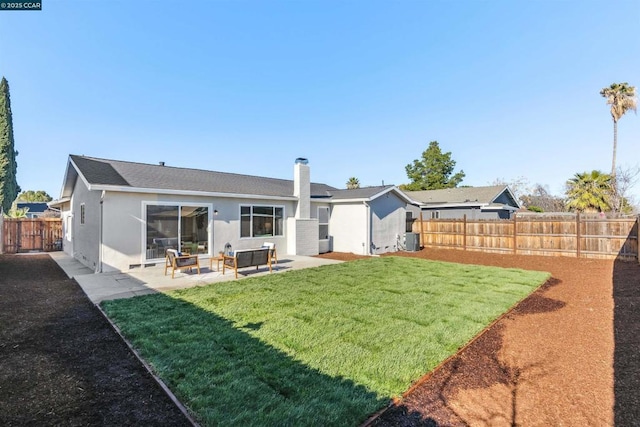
(496, 196)
(365, 194)
(115, 175)
(34, 207)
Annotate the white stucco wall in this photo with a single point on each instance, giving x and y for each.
(348, 228)
(226, 225)
(124, 226)
(67, 228)
(388, 223)
(85, 236)
(368, 228)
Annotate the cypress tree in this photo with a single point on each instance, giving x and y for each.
(9, 188)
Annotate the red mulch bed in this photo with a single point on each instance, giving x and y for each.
(567, 355)
(61, 362)
(550, 361)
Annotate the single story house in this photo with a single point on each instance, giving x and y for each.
(118, 215)
(492, 202)
(34, 209)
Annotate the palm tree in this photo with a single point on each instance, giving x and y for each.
(353, 183)
(589, 192)
(622, 98)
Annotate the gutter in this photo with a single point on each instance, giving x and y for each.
(123, 189)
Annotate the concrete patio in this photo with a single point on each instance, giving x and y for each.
(147, 280)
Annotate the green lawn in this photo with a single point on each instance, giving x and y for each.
(322, 346)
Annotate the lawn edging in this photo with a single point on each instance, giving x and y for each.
(396, 401)
(157, 379)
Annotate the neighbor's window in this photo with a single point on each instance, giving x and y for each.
(323, 222)
(261, 221)
(435, 214)
(82, 213)
(409, 222)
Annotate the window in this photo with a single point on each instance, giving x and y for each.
(261, 221)
(323, 222)
(435, 214)
(409, 222)
(82, 213)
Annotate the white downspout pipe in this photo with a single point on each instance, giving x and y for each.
(100, 232)
(367, 248)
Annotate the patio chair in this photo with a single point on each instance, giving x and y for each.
(179, 261)
(272, 251)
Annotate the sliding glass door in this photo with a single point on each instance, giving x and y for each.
(181, 227)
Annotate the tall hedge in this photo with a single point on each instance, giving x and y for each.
(9, 188)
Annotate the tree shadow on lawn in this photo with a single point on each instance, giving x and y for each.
(225, 376)
(626, 364)
(476, 366)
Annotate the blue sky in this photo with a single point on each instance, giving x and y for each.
(510, 88)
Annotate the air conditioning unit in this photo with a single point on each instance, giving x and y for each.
(412, 242)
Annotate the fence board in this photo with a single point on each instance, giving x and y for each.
(562, 235)
(31, 234)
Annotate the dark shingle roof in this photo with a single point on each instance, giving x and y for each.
(359, 193)
(458, 195)
(34, 207)
(154, 177)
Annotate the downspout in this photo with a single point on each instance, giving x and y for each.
(367, 242)
(100, 231)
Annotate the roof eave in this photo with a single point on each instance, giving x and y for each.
(513, 196)
(394, 189)
(59, 202)
(122, 189)
(452, 205)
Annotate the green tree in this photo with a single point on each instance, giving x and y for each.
(589, 192)
(622, 98)
(16, 213)
(9, 188)
(353, 183)
(433, 171)
(34, 196)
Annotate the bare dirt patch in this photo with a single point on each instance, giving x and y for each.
(550, 361)
(62, 363)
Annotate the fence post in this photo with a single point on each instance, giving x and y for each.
(464, 232)
(515, 234)
(578, 235)
(421, 230)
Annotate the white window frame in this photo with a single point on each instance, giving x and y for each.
(435, 214)
(82, 213)
(320, 224)
(143, 216)
(251, 216)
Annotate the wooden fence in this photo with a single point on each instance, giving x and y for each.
(561, 235)
(31, 235)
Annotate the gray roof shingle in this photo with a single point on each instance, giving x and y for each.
(359, 193)
(153, 177)
(482, 195)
